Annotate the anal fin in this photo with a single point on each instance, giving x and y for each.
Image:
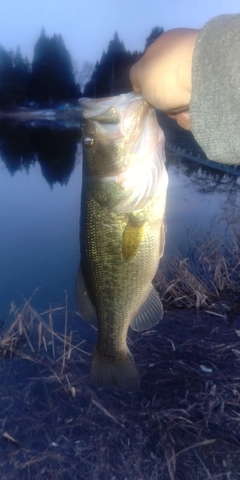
(150, 313)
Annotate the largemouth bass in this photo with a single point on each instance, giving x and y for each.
(122, 232)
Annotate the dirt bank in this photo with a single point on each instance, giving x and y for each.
(182, 424)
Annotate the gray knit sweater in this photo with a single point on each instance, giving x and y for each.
(215, 102)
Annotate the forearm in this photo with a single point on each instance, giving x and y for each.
(215, 99)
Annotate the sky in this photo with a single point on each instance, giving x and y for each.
(87, 26)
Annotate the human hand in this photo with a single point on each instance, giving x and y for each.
(164, 73)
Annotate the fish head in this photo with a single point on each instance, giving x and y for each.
(121, 138)
(110, 129)
(103, 145)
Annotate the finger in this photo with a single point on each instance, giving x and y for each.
(183, 119)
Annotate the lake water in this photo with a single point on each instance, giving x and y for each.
(40, 185)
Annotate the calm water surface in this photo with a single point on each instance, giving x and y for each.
(40, 185)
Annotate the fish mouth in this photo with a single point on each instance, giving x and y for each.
(129, 111)
(103, 107)
(115, 122)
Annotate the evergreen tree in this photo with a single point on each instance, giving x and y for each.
(115, 46)
(6, 76)
(52, 71)
(21, 72)
(111, 74)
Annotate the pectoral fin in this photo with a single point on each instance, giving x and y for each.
(131, 239)
(162, 238)
(150, 313)
(84, 304)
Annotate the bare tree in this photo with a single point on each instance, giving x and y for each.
(85, 74)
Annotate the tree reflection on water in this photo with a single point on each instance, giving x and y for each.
(206, 178)
(22, 144)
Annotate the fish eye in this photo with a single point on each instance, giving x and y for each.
(88, 141)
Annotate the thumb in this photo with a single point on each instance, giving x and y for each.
(134, 79)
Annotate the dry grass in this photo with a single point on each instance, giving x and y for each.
(184, 421)
(209, 278)
(32, 336)
(180, 287)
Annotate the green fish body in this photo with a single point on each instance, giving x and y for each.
(122, 231)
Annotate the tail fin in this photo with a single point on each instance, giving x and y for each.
(109, 370)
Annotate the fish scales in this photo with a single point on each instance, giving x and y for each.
(122, 238)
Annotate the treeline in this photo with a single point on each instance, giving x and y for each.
(50, 78)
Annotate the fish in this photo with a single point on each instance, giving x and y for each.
(122, 229)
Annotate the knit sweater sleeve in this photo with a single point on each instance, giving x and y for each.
(215, 101)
